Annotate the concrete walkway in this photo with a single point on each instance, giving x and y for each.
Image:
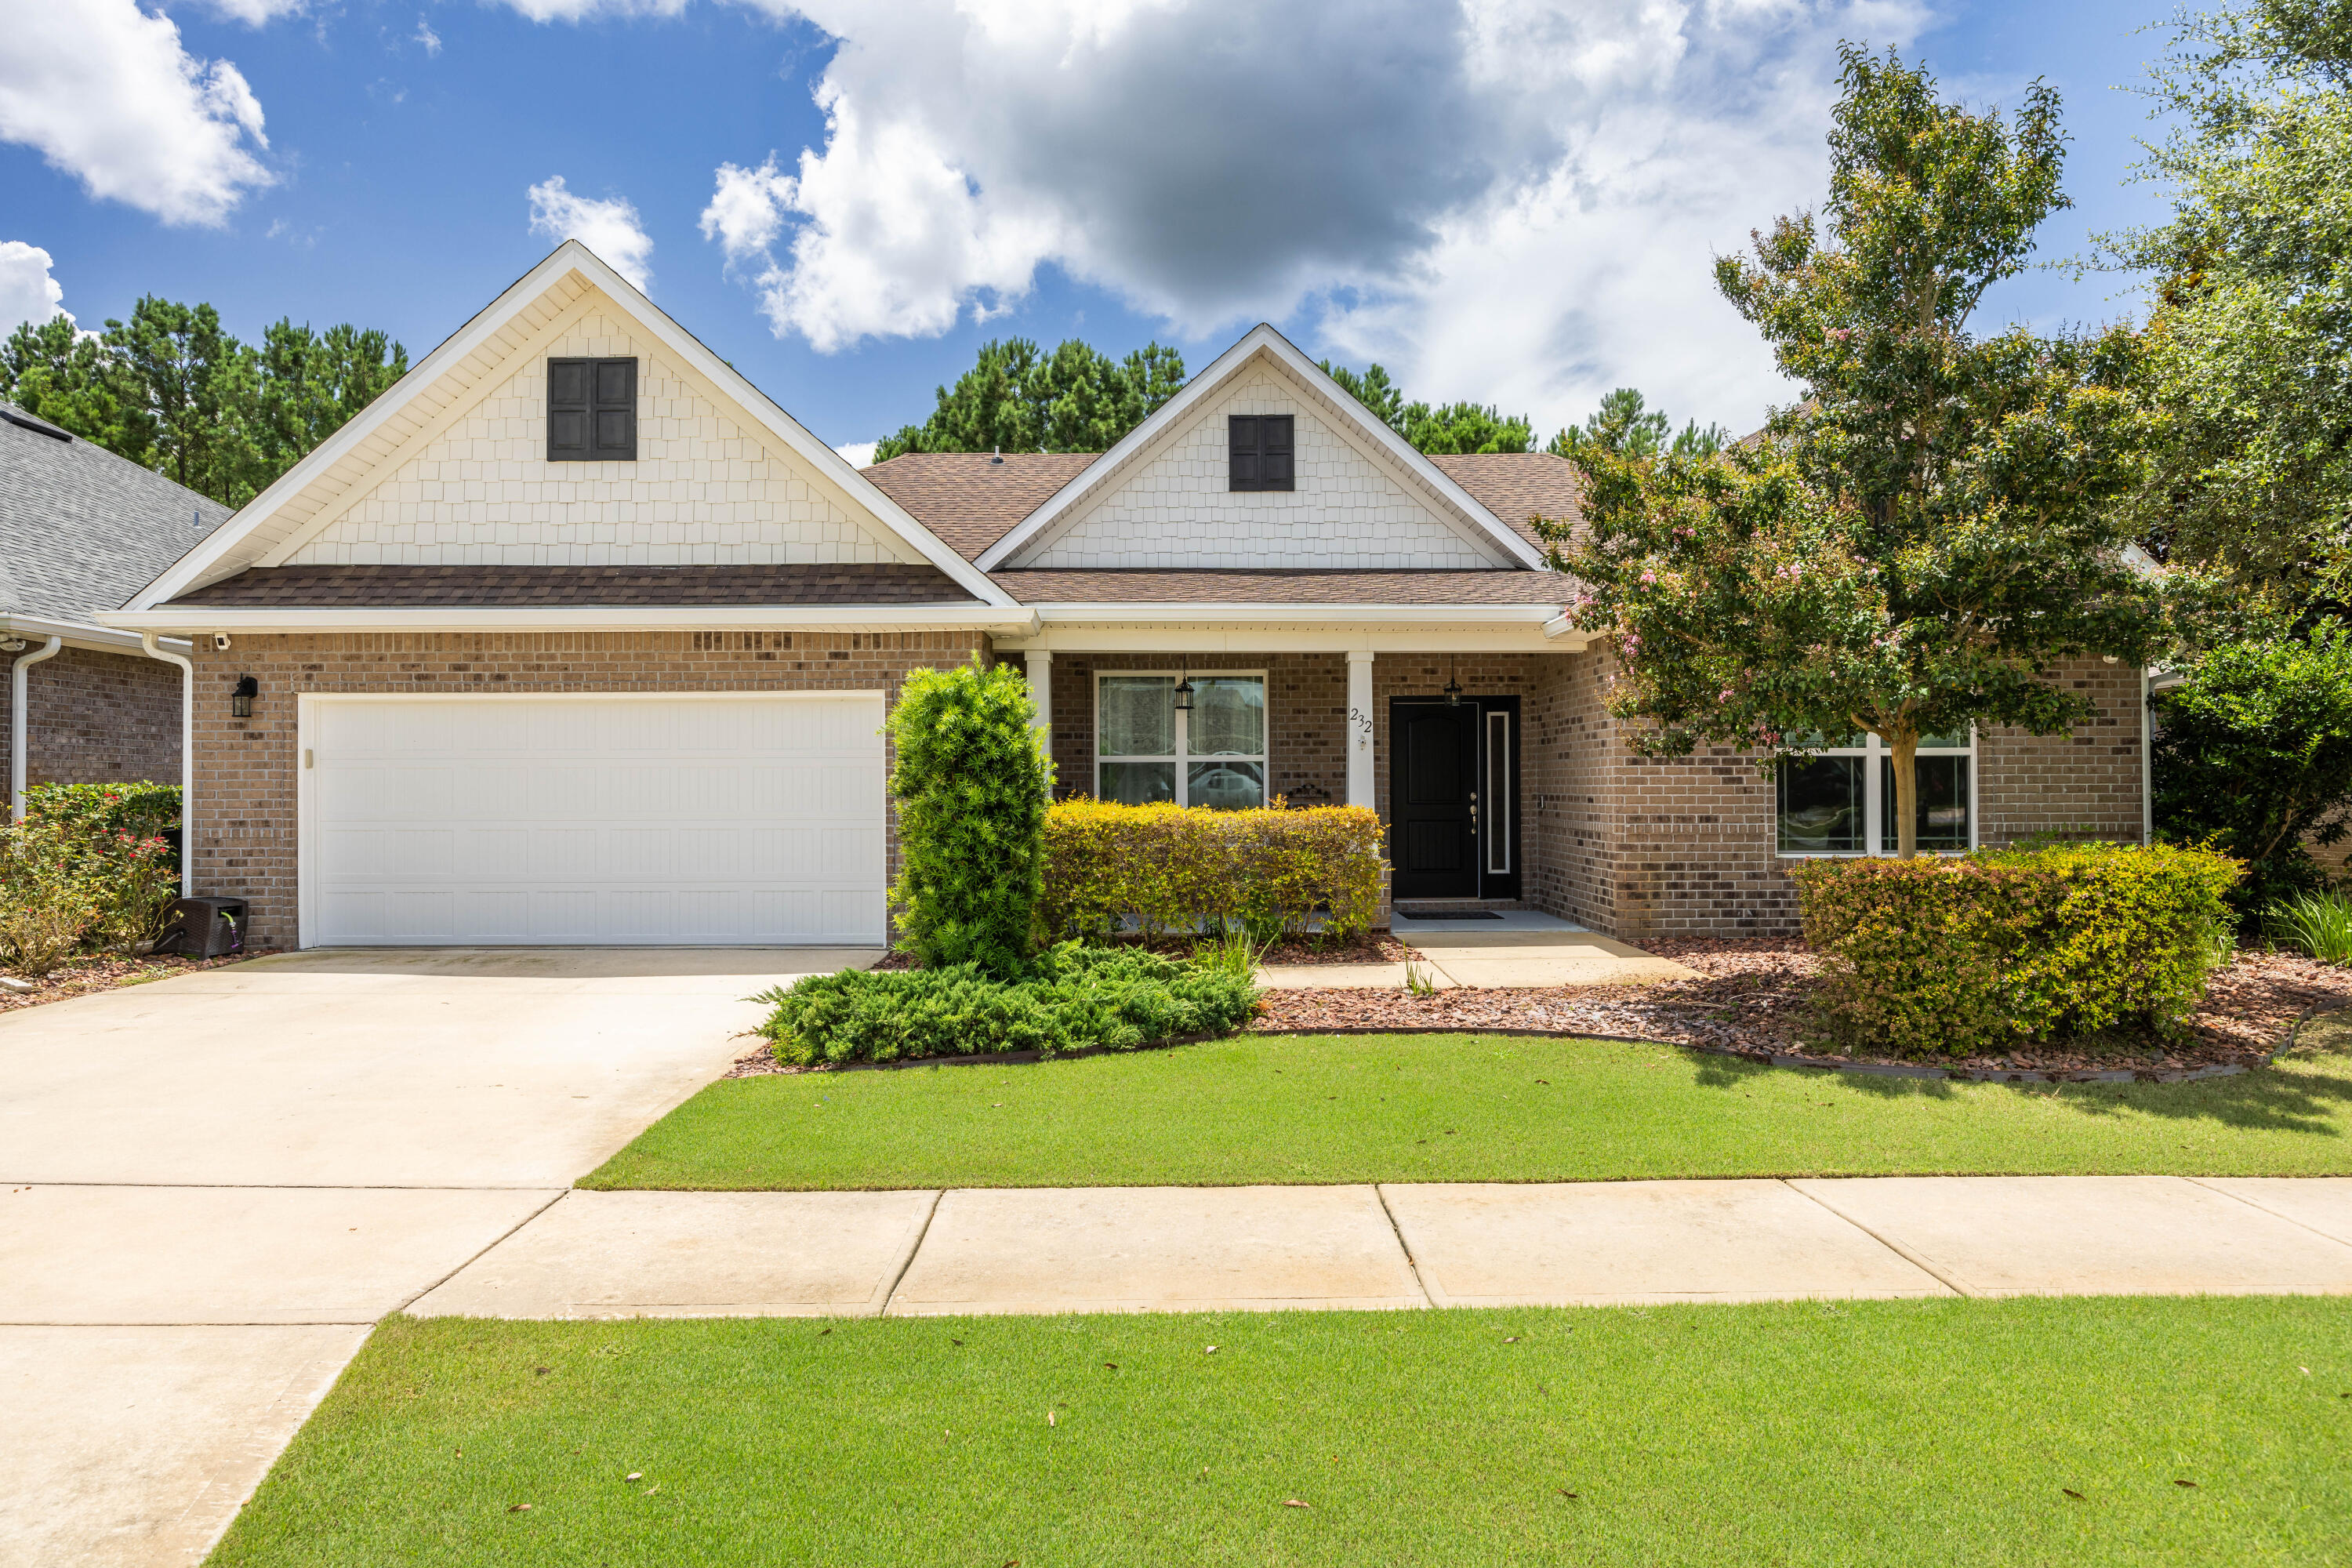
(594, 1255)
(1515, 947)
(210, 1186)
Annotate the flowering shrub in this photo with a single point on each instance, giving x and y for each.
(87, 866)
(1072, 997)
(135, 807)
(2003, 947)
(1179, 869)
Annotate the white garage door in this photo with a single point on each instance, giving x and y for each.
(672, 818)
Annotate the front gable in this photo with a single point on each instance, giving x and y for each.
(704, 489)
(451, 467)
(1362, 498)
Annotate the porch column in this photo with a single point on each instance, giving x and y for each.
(1359, 728)
(1039, 663)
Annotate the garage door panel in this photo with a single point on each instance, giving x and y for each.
(756, 818)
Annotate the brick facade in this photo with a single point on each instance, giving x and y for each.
(243, 826)
(97, 718)
(1618, 842)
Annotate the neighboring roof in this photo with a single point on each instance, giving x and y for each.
(80, 529)
(478, 356)
(1412, 468)
(972, 499)
(1083, 586)
(396, 587)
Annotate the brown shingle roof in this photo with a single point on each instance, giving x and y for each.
(1516, 486)
(968, 500)
(1083, 586)
(290, 587)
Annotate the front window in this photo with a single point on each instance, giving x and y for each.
(1212, 756)
(1840, 799)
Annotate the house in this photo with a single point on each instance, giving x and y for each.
(81, 531)
(574, 637)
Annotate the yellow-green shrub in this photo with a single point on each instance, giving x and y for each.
(2003, 947)
(1177, 868)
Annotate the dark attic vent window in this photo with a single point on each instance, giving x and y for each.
(591, 411)
(1259, 448)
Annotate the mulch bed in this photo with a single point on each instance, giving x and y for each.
(1753, 997)
(1380, 947)
(80, 976)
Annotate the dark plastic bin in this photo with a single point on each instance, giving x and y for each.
(204, 928)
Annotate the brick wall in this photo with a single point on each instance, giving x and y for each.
(244, 816)
(1307, 718)
(97, 718)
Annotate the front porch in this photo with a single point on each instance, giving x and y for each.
(1475, 759)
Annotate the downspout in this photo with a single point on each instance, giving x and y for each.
(16, 738)
(187, 759)
(2147, 759)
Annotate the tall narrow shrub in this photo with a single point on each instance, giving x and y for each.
(971, 784)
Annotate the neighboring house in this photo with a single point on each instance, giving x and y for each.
(81, 531)
(574, 637)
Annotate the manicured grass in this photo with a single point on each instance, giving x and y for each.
(1899, 1433)
(1449, 1108)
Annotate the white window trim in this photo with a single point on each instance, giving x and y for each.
(1183, 757)
(1874, 804)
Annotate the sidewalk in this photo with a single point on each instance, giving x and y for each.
(593, 1255)
(1513, 948)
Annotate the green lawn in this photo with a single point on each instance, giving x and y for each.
(2050, 1431)
(1449, 1108)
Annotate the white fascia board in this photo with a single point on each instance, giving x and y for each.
(75, 634)
(1129, 612)
(201, 619)
(1260, 338)
(1176, 634)
(567, 257)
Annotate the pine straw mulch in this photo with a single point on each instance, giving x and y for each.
(1753, 997)
(81, 976)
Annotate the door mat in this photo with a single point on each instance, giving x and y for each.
(1423, 912)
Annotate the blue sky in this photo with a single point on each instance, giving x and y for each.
(1501, 199)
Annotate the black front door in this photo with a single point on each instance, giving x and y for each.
(1433, 781)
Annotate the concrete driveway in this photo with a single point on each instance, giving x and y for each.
(210, 1186)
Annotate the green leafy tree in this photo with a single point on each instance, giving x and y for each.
(1016, 399)
(172, 390)
(1449, 427)
(2254, 754)
(1625, 422)
(2249, 386)
(971, 781)
(306, 385)
(1915, 544)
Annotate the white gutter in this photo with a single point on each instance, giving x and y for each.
(17, 747)
(1129, 612)
(203, 618)
(187, 758)
(77, 634)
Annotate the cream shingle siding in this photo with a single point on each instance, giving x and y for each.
(1174, 511)
(704, 490)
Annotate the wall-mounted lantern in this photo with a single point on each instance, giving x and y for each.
(1453, 687)
(1184, 690)
(241, 695)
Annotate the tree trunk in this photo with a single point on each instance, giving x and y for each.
(1904, 749)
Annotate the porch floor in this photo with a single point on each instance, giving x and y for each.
(1523, 949)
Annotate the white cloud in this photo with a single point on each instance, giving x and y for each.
(585, 10)
(28, 292)
(610, 228)
(1515, 200)
(254, 12)
(857, 454)
(106, 94)
(425, 35)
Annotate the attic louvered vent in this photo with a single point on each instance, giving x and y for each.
(591, 411)
(1259, 448)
